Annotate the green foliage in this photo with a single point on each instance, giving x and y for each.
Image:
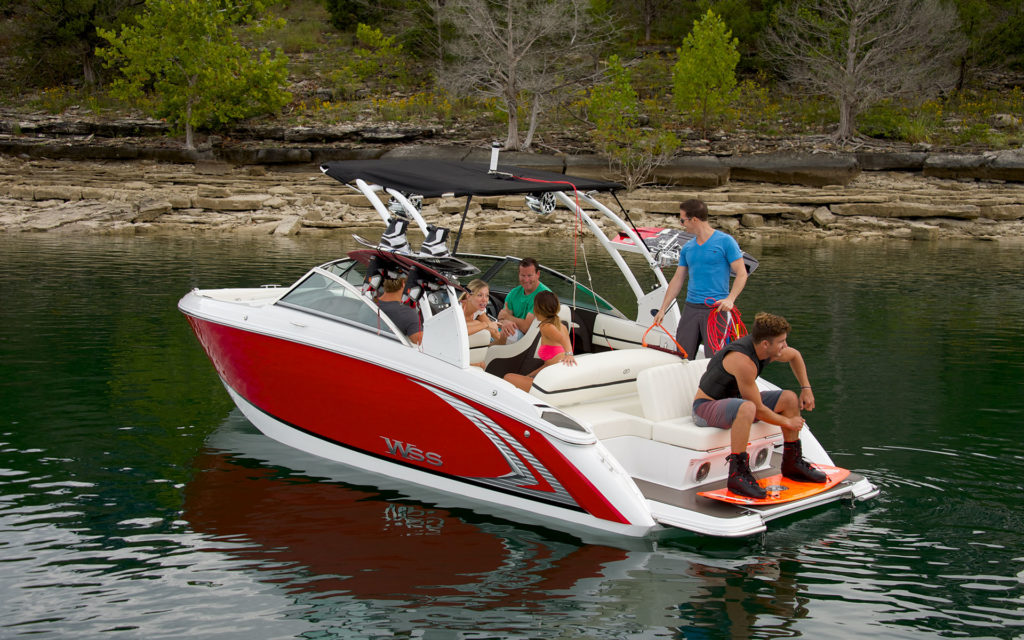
(60, 99)
(614, 105)
(748, 20)
(376, 60)
(651, 74)
(378, 55)
(57, 38)
(753, 106)
(346, 15)
(181, 61)
(614, 109)
(428, 105)
(977, 133)
(296, 36)
(1007, 44)
(704, 77)
(995, 31)
(896, 122)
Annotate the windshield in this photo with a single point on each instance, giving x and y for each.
(326, 297)
(349, 270)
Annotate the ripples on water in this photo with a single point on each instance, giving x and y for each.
(137, 502)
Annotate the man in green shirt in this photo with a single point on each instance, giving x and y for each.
(517, 316)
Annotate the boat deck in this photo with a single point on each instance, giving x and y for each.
(688, 498)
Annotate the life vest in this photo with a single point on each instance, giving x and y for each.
(719, 383)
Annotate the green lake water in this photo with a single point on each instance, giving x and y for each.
(135, 499)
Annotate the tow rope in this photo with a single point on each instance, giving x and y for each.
(721, 333)
(643, 341)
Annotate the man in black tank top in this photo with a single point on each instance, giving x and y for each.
(728, 398)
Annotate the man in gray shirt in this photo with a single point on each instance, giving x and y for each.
(405, 317)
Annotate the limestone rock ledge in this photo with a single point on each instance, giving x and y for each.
(117, 196)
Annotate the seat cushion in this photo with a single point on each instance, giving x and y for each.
(667, 392)
(609, 423)
(682, 432)
(596, 376)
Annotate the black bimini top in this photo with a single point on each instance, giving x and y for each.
(434, 178)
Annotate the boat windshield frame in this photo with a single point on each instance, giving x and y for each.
(381, 326)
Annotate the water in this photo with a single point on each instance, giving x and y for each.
(137, 502)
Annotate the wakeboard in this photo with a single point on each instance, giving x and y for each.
(780, 489)
(446, 264)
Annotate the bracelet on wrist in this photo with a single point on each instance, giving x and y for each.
(805, 387)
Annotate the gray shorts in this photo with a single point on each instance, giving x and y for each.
(692, 330)
(721, 413)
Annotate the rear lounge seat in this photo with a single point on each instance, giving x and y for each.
(666, 395)
(601, 390)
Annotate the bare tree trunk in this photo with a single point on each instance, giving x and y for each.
(512, 139)
(89, 71)
(704, 118)
(436, 7)
(190, 142)
(961, 78)
(647, 15)
(846, 119)
(534, 113)
(846, 112)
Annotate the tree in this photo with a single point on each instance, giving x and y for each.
(58, 38)
(859, 52)
(747, 19)
(704, 77)
(182, 62)
(521, 52)
(346, 15)
(615, 111)
(994, 30)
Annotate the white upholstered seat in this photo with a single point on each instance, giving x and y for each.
(666, 394)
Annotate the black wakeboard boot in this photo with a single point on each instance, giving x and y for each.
(741, 480)
(796, 468)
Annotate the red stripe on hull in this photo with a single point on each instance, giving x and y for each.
(382, 412)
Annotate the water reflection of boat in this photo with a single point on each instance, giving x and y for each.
(604, 446)
(338, 537)
(318, 533)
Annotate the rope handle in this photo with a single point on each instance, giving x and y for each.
(643, 341)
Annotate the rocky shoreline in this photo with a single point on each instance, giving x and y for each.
(81, 182)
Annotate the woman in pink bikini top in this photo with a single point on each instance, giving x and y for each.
(554, 345)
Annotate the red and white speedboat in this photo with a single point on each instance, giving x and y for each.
(607, 445)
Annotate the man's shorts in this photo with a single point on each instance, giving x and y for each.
(721, 413)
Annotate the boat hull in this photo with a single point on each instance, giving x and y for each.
(373, 417)
(429, 428)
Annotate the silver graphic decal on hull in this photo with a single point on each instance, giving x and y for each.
(505, 443)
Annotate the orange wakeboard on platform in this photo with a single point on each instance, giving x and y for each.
(782, 489)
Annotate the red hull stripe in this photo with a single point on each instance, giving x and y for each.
(529, 496)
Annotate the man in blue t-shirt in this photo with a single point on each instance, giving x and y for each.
(709, 258)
